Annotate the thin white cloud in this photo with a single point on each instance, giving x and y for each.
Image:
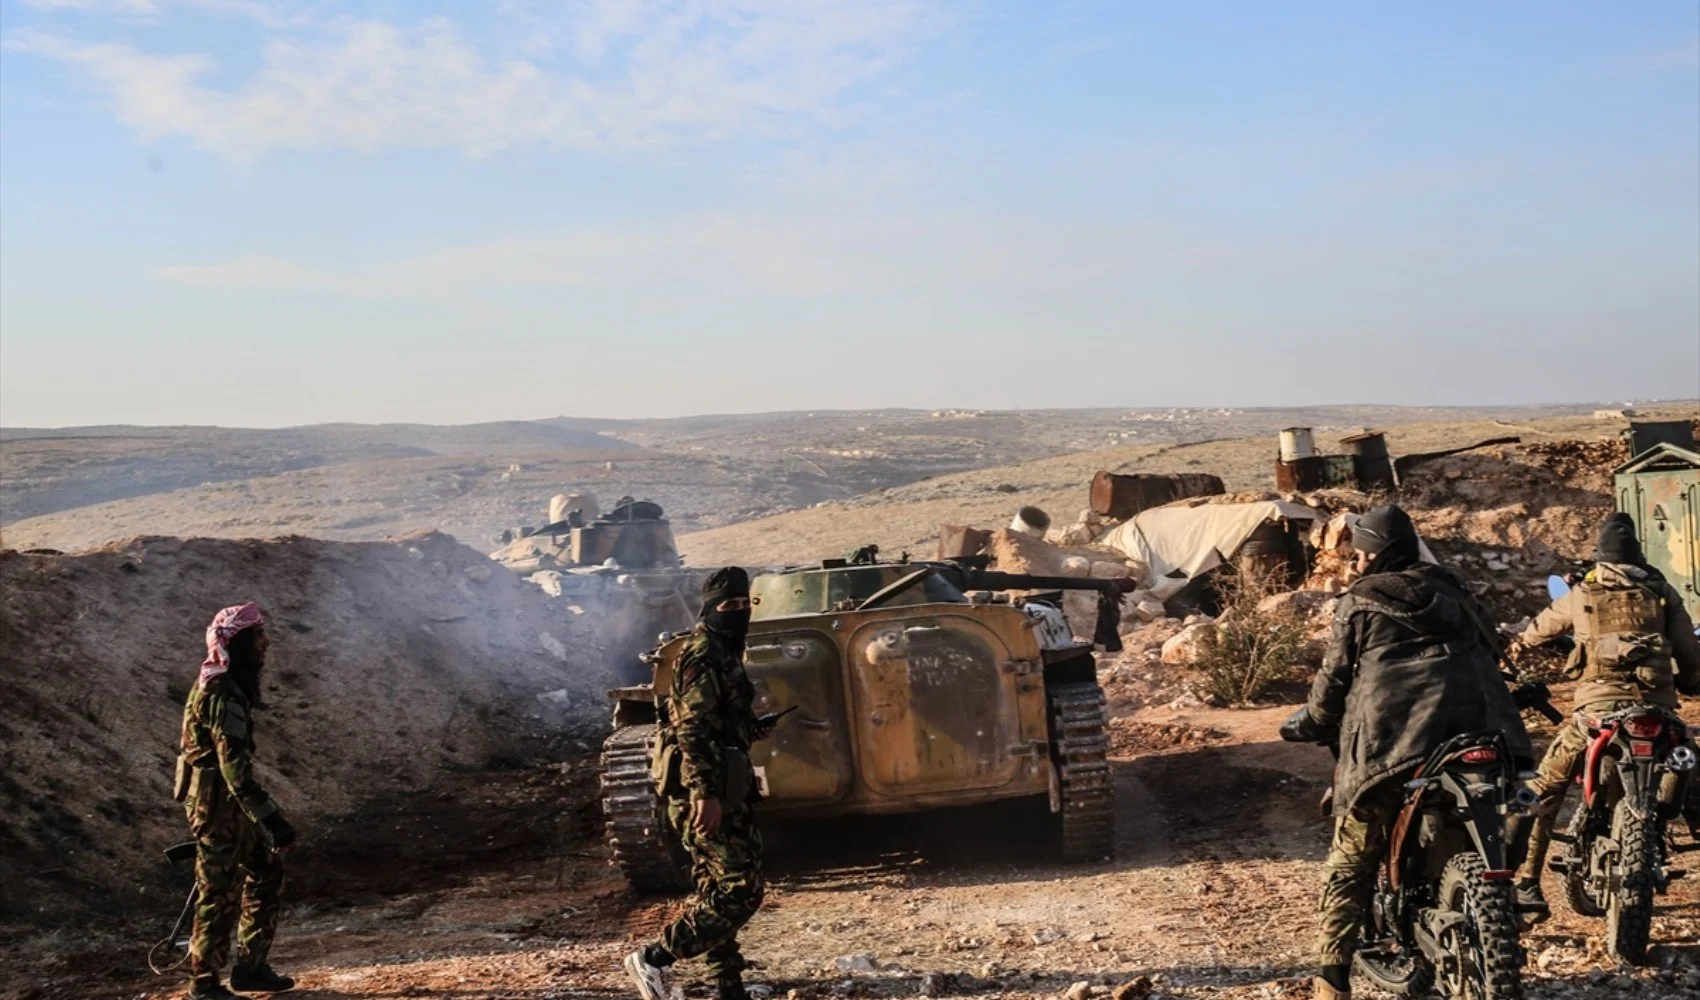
(765, 256)
(595, 74)
(98, 6)
(1681, 56)
(263, 12)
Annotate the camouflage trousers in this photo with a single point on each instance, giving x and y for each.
(726, 871)
(1559, 770)
(1348, 876)
(238, 882)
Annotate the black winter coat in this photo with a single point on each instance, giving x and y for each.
(1406, 670)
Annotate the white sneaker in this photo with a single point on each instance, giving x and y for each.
(650, 981)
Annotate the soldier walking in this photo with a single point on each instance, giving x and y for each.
(707, 784)
(238, 829)
(1635, 645)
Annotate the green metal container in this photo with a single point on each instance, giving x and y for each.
(1660, 489)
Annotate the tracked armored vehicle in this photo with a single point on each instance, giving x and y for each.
(916, 686)
(622, 566)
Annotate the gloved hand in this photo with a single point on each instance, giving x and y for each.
(1537, 697)
(278, 831)
(1301, 728)
(1526, 696)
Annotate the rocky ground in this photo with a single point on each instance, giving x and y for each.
(495, 885)
(452, 843)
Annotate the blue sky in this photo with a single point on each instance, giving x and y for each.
(260, 213)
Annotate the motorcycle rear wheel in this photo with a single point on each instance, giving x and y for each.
(1629, 910)
(1492, 955)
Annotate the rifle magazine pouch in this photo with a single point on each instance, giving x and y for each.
(1654, 669)
(740, 776)
(665, 770)
(180, 781)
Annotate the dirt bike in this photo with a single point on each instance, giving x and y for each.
(1616, 850)
(1442, 914)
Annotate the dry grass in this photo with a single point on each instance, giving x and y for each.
(1249, 650)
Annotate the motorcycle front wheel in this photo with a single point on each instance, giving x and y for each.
(1383, 962)
(1486, 955)
(1401, 975)
(1577, 889)
(1629, 910)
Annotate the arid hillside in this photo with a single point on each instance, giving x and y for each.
(433, 726)
(391, 664)
(86, 487)
(907, 518)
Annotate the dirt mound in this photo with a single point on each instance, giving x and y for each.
(1506, 517)
(1583, 465)
(390, 663)
(1500, 477)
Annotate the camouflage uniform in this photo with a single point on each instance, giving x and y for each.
(1360, 842)
(707, 710)
(238, 876)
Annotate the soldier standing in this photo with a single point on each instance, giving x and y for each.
(707, 784)
(238, 829)
(1635, 645)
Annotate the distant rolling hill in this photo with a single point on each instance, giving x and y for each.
(45, 470)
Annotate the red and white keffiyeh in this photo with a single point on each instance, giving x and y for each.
(224, 627)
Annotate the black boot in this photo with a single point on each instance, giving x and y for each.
(1530, 901)
(1334, 983)
(730, 986)
(209, 989)
(259, 979)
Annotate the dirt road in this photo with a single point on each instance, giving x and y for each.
(497, 886)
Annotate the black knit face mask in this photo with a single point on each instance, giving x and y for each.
(732, 624)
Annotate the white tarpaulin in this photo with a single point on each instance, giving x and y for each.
(1178, 543)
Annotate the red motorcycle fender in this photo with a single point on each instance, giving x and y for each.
(1591, 764)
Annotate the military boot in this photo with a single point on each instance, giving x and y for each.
(259, 979)
(1530, 901)
(1323, 988)
(730, 986)
(209, 989)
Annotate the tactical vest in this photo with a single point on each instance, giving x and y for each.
(1627, 642)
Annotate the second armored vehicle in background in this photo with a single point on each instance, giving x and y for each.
(622, 566)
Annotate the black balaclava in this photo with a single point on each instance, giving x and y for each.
(721, 585)
(246, 662)
(1388, 535)
(1617, 542)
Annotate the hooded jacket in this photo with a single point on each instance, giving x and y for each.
(1568, 614)
(1407, 669)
